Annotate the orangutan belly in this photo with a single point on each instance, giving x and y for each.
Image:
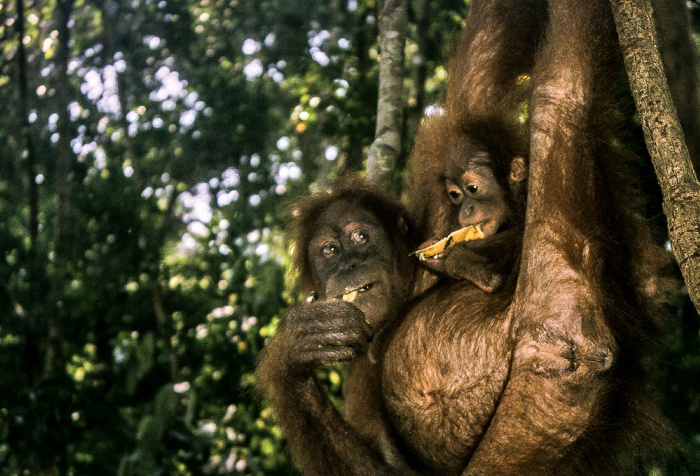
(443, 374)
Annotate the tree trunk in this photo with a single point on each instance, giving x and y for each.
(364, 35)
(64, 159)
(680, 59)
(419, 69)
(111, 12)
(664, 136)
(387, 138)
(30, 358)
(33, 195)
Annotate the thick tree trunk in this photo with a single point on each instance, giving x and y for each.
(387, 139)
(664, 136)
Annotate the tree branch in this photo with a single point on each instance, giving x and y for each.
(663, 134)
(680, 59)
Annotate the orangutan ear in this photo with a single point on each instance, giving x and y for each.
(518, 169)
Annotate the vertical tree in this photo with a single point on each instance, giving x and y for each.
(680, 59)
(30, 351)
(23, 87)
(64, 161)
(419, 67)
(664, 136)
(386, 147)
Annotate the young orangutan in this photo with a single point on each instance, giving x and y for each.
(484, 196)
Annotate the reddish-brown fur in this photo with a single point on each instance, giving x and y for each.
(548, 375)
(329, 331)
(571, 392)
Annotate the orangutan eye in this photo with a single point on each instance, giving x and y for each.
(453, 192)
(328, 250)
(472, 188)
(359, 237)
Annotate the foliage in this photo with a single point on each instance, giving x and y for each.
(131, 320)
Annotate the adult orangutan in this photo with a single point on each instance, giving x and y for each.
(353, 257)
(545, 374)
(547, 377)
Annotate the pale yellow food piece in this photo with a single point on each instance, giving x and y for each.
(468, 233)
(350, 297)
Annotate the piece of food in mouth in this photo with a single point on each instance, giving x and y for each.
(311, 297)
(350, 296)
(468, 233)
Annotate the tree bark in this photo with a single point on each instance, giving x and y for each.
(664, 136)
(386, 147)
(680, 58)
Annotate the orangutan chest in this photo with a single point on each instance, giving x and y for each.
(443, 374)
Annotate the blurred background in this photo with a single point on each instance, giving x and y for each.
(149, 151)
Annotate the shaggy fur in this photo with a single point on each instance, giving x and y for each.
(548, 375)
(569, 389)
